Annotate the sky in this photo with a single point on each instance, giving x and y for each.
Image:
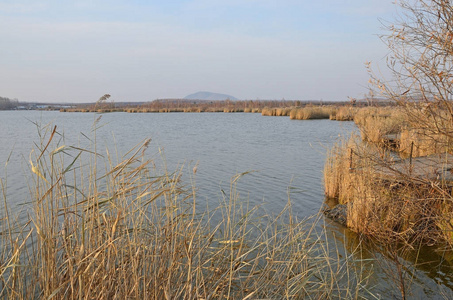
(136, 50)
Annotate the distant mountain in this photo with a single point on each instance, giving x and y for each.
(209, 96)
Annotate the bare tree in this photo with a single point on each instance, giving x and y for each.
(6, 103)
(421, 60)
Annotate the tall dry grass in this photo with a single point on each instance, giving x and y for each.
(376, 123)
(428, 131)
(276, 112)
(413, 130)
(311, 112)
(386, 198)
(111, 226)
(344, 113)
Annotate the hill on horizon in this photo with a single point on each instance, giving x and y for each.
(209, 96)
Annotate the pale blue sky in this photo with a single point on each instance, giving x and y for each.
(76, 51)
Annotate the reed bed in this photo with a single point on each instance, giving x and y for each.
(419, 142)
(276, 112)
(183, 105)
(412, 130)
(106, 226)
(429, 130)
(386, 202)
(344, 113)
(376, 123)
(266, 111)
(252, 110)
(338, 175)
(312, 112)
(232, 110)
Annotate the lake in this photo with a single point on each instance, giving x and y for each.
(285, 159)
(284, 155)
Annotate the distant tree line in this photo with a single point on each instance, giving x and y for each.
(7, 104)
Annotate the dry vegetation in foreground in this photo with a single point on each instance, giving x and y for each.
(388, 198)
(398, 204)
(112, 227)
(395, 180)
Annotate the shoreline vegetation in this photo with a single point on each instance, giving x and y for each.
(394, 180)
(300, 110)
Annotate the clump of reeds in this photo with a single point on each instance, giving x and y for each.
(376, 124)
(338, 169)
(385, 200)
(193, 109)
(347, 164)
(428, 131)
(232, 109)
(113, 227)
(252, 110)
(311, 112)
(344, 113)
(413, 130)
(266, 111)
(276, 112)
(282, 111)
(416, 142)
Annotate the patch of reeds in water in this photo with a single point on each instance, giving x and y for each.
(106, 226)
(385, 198)
(338, 175)
(276, 112)
(252, 110)
(311, 112)
(344, 113)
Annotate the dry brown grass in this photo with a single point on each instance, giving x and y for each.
(417, 142)
(376, 123)
(266, 111)
(344, 113)
(385, 201)
(232, 110)
(276, 112)
(411, 129)
(311, 112)
(428, 131)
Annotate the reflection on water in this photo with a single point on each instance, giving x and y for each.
(286, 157)
(426, 272)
